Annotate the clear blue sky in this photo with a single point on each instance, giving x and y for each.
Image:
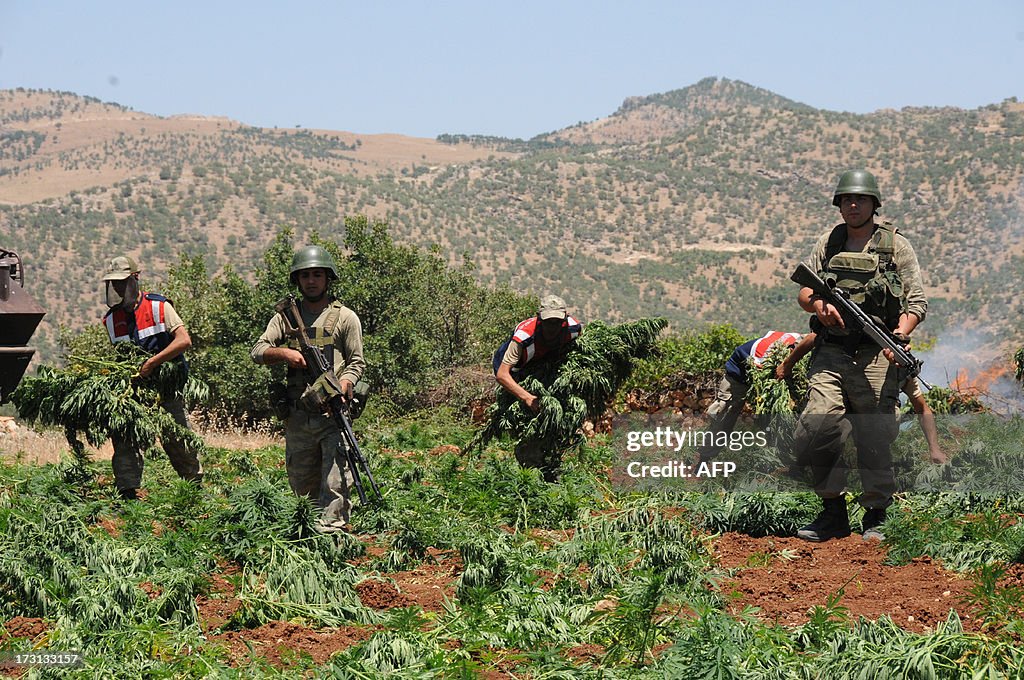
(516, 68)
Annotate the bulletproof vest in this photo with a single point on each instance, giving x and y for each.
(870, 277)
(320, 334)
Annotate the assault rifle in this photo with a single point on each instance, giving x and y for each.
(855, 319)
(324, 393)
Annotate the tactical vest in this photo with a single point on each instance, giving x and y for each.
(319, 335)
(870, 276)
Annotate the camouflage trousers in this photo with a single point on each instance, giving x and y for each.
(724, 412)
(316, 464)
(859, 392)
(129, 462)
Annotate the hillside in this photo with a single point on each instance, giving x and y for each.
(694, 204)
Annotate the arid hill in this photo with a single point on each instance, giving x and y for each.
(694, 204)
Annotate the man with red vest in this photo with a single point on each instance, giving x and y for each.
(728, 403)
(550, 334)
(149, 321)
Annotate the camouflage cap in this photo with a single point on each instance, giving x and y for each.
(552, 307)
(120, 268)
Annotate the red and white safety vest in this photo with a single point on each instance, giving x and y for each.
(526, 335)
(147, 327)
(763, 344)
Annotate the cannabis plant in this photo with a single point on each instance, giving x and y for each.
(103, 397)
(571, 390)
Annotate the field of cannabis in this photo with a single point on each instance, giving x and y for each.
(471, 566)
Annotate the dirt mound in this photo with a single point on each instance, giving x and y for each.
(24, 627)
(786, 577)
(280, 642)
(432, 582)
(382, 595)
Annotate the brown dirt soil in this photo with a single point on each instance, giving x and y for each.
(916, 596)
(217, 608)
(279, 642)
(429, 584)
(377, 594)
(110, 525)
(23, 627)
(588, 653)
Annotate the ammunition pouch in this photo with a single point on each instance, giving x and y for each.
(360, 395)
(280, 403)
(317, 396)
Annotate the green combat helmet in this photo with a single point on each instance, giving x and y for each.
(311, 257)
(857, 182)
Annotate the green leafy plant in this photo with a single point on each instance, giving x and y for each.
(570, 390)
(102, 397)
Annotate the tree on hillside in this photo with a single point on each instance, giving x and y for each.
(422, 319)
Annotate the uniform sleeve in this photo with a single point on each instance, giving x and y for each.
(348, 339)
(272, 337)
(910, 271)
(512, 354)
(816, 261)
(172, 321)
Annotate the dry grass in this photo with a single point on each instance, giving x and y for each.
(27, 446)
(98, 136)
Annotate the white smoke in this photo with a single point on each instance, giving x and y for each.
(958, 352)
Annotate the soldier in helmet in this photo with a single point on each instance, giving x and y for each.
(149, 321)
(850, 375)
(315, 468)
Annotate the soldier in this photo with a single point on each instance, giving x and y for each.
(313, 456)
(911, 388)
(150, 322)
(849, 374)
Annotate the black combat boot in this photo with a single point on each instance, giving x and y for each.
(833, 522)
(871, 525)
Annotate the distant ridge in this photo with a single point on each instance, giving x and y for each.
(693, 204)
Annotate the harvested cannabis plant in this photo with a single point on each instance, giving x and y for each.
(571, 390)
(104, 396)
